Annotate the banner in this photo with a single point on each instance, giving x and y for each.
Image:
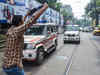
(3, 1)
(19, 2)
(6, 12)
(2, 18)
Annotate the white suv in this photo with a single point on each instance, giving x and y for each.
(71, 33)
(38, 40)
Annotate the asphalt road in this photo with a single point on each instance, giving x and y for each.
(86, 60)
(56, 63)
(70, 58)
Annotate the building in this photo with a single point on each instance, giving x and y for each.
(8, 8)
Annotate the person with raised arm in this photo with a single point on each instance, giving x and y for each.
(12, 62)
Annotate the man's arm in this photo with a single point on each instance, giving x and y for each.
(30, 12)
(32, 20)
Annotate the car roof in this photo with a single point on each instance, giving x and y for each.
(52, 24)
(71, 25)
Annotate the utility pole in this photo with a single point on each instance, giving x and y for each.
(59, 16)
(96, 13)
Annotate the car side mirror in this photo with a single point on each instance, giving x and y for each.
(49, 32)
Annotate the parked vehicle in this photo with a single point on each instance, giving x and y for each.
(71, 33)
(40, 39)
(81, 28)
(88, 29)
(96, 31)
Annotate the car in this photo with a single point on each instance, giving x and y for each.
(71, 33)
(81, 29)
(40, 40)
(96, 31)
(88, 29)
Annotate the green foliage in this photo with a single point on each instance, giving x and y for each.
(58, 6)
(2, 37)
(90, 8)
(98, 3)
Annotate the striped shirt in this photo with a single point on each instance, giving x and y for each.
(14, 46)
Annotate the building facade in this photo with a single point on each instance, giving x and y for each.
(8, 8)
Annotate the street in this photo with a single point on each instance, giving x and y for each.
(70, 58)
(50, 37)
(86, 60)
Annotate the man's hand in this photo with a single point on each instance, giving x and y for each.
(33, 18)
(40, 12)
(32, 11)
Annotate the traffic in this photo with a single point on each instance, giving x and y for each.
(49, 37)
(39, 40)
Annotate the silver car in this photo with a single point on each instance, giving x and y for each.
(71, 33)
(39, 40)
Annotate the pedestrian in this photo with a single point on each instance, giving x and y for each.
(12, 62)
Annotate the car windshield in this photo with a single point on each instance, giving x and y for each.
(28, 46)
(71, 28)
(35, 30)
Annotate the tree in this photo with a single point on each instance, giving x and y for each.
(90, 8)
(93, 9)
(58, 5)
(98, 3)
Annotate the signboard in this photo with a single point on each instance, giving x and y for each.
(2, 18)
(3, 1)
(14, 2)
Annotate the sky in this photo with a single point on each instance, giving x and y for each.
(77, 6)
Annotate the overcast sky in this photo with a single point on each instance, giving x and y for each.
(77, 6)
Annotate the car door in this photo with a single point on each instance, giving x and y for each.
(47, 41)
(49, 36)
(53, 35)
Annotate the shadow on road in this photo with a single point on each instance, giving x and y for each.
(33, 68)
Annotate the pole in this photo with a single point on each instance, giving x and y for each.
(59, 16)
(96, 14)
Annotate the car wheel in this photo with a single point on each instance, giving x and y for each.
(56, 42)
(55, 47)
(78, 42)
(40, 56)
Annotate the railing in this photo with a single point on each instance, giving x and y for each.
(2, 44)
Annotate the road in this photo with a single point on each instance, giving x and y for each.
(70, 58)
(86, 60)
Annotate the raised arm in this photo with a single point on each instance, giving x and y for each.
(30, 12)
(32, 20)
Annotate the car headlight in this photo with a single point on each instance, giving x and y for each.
(76, 34)
(66, 34)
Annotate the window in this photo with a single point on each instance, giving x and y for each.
(35, 30)
(28, 46)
